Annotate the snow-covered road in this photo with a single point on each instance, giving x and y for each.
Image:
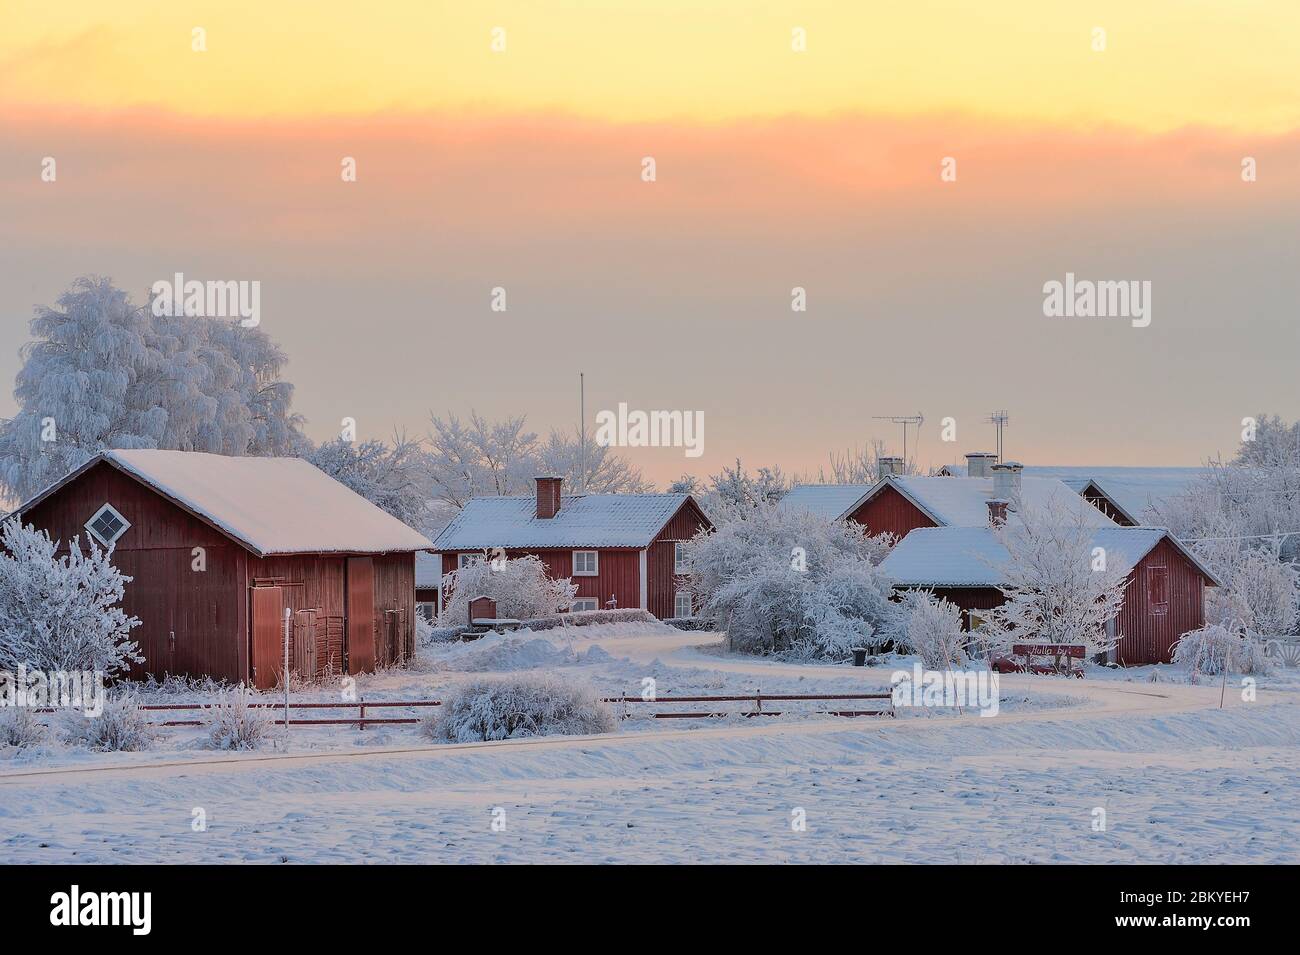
(1178, 780)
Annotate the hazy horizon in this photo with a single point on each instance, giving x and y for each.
(522, 170)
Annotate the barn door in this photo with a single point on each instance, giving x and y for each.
(394, 642)
(267, 656)
(304, 644)
(361, 614)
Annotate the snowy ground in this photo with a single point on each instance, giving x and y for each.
(1180, 779)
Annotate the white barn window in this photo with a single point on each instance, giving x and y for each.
(586, 563)
(585, 603)
(679, 557)
(107, 525)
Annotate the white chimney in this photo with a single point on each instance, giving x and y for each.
(1006, 482)
(979, 462)
(888, 465)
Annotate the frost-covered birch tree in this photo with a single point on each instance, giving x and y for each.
(521, 587)
(1058, 589)
(61, 612)
(101, 372)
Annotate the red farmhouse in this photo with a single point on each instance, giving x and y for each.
(218, 548)
(620, 549)
(946, 544)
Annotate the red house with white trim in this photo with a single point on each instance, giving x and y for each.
(620, 549)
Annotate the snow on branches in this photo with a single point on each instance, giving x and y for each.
(790, 582)
(61, 613)
(520, 587)
(1058, 589)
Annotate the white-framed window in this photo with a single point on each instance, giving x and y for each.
(683, 604)
(585, 603)
(464, 560)
(107, 525)
(586, 563)
(679, 557)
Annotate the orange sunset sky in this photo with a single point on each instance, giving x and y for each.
(777, 167)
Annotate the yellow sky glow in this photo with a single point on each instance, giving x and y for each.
(1167, 63)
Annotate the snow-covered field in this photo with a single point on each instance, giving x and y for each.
(1178, 778)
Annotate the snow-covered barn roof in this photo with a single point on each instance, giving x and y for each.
(269, 505)
(971, 556)
(583, 520)
(956, 502)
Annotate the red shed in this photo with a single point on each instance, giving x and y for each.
(620, 549)
(219, 548)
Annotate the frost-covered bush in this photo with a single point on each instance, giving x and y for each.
(1259, 590)
(20, 727)
(931, 628)
(520, 587)
(1213, 647)
(122, 727)
(790, 582)
(61, 613)
(518, 706)
(230, 723)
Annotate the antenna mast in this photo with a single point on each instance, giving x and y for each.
(999, 420)
(916, 419)
(582, 430)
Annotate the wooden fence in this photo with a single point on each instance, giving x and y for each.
(361, 720)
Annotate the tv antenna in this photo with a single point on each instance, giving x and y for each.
(904, 420)
(999, 420)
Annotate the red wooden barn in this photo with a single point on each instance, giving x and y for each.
(620, 549)
(219, 548)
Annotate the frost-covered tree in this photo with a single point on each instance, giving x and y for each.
(61, 612)
(859, 465)
(734, 493)
(392, 477)
(102, 372)
(606, 472)
(1273, 444)
(1259, 590)
(930, 627)
(791, 582)
(1057, 589)
(495, 458)
(521, 588)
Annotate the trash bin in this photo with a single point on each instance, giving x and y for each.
(859, 656)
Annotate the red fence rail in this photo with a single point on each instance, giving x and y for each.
(361, 720)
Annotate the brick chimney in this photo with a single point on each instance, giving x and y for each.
(548, 497)
(978, 464)
(997, 512)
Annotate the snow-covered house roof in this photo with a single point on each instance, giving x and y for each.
(583, 520)
(955, 502)
(428, 571)
(269, 505)
(833, 501)
(972, 556)
(1134, 490)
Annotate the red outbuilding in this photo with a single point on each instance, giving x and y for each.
(219, 548)
(622, 550)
